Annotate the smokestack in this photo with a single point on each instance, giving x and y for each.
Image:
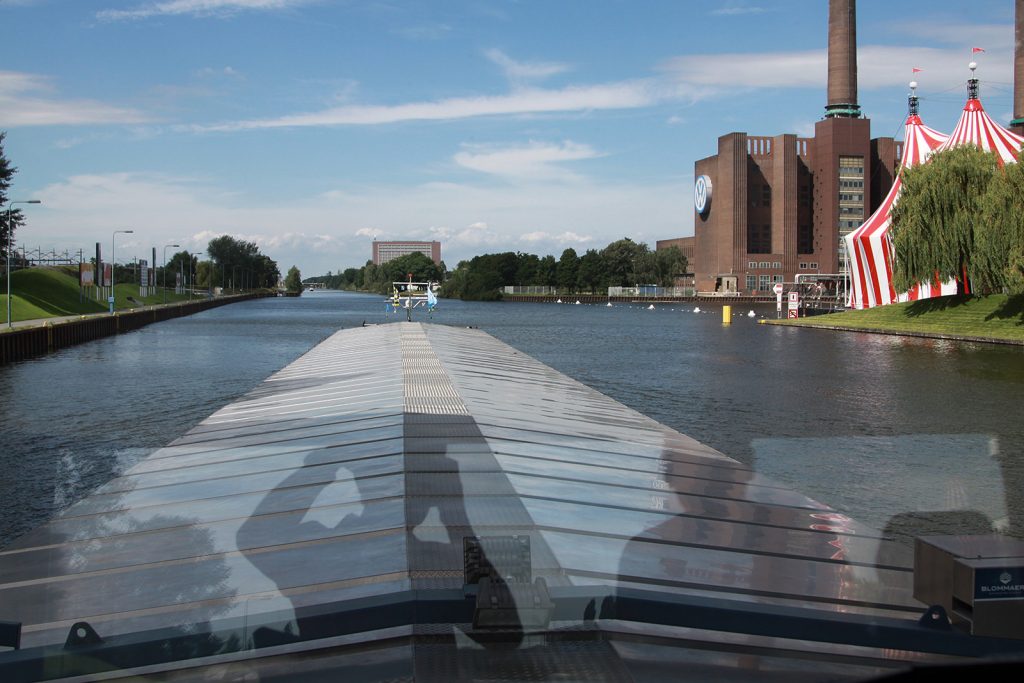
(1018, 72)
(842, 60)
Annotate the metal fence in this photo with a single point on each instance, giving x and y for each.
(650, 291)
(530, 289)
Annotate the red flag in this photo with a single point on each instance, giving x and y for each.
(976, 50)
(914, 70)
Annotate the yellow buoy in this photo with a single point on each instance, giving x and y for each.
(726, 315)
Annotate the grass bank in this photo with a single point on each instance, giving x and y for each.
(989, 318)
(53, 292)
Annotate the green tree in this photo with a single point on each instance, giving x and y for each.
(668, 265)
(420, 266)
(620, 262)
(7, 172)
(207, 274)
(547, 272)
(933, 222)
(293, 280)
(591, 274)
(998, 260)
(184, 263)
(568, 271)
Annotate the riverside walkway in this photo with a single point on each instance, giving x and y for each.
(364, 471)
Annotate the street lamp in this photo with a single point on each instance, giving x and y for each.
(112, 261)
(10, 242)
(165, 267)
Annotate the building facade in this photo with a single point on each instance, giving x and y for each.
(769, 208)
(386, 251)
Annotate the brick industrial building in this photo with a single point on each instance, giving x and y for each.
(768, 208)
(386, 251)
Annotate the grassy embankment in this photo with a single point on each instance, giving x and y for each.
(996, 317)
(52, 292)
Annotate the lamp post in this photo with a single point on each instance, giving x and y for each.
(165, 267)
(112, 262)
(10, 241)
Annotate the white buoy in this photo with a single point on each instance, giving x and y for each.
(609, 304)
(559, 301)
(751, 315)
(696, 309)
(577, 302)
(651, 307)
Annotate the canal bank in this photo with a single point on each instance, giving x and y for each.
(994, 319)
(602, 298)
(29, 340)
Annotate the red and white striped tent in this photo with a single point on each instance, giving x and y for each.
(976, 128)
(869, 246)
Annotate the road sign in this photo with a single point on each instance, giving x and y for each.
(793, 313)
(777, 288)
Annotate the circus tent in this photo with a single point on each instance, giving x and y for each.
(870, 246)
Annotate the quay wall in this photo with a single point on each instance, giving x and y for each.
(29, 342)
(602, 298)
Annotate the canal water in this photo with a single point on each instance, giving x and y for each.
(906, 434)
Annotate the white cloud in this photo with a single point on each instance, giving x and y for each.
(428, 31)
(734, 10)
(877, 66)
(332, 230)
(211, 72)
(519, 72)
(201, 8)
(622, 95)
(29, 100)
(535, 161)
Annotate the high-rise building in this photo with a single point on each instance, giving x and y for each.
(386, 251)
(780, 204)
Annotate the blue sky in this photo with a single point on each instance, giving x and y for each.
(312, 126)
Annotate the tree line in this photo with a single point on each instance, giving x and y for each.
(960, 215)
(622, 263)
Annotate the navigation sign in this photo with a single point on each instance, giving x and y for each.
(794, 305)
(777, 289)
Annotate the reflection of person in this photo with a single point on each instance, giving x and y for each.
(295, 511)
(435, 520)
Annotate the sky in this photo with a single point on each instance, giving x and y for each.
(312, 127)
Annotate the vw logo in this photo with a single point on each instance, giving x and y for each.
(702, 195)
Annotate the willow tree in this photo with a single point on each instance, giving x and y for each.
(934, 220)
(999, 235)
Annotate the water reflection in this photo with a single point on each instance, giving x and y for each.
(729, 387)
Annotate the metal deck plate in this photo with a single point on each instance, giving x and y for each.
(358, 469)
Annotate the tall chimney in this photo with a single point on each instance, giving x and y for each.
(842, 59)
(1018, 71)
